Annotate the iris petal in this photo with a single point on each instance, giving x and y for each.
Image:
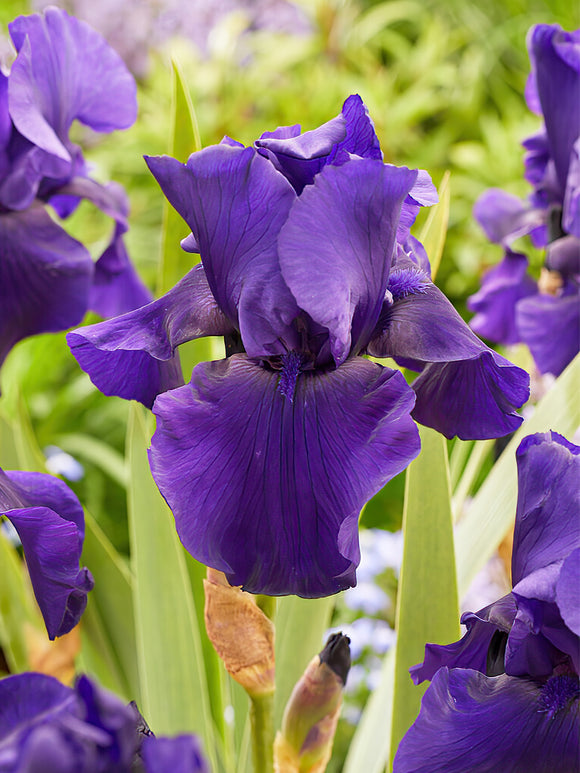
(235, 203)
(471, 722)
(550, 326)
(45, 277)
(269, 490)
(50, 523)
(46, 94)
(337, 245)
(474, 399)
(133, 356)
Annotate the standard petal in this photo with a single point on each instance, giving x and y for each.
(45, 276)
(550, 326)
(50, 523)
(495, 302)
(337, 245)
(470, 722)
(269, 489)
(46, 93)
(300, 157)
(555, 57)
(547, 528)
(133, 356)
(474, 399)
(235, 203)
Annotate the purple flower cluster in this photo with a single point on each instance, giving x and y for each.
(507, 696)
(45, 726)
(511, 306)
(47, 278)
(307, 264)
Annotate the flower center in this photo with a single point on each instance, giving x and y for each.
(558, 692)
(291, 365)
(406, 281)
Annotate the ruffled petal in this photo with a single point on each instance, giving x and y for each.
(336, 248)
(268, 488)
(470, 722)
(235, 203)
(133, 356)
(563, 255)
(474, 399)
(495, 302)
(45, 276)
(473, 650)
(550, 326)
(555, 57)
(50, 523)
(547, 528)
(300, 157)
(46, 93)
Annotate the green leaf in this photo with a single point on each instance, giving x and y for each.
(174, 690)
(434, 232)
(492, 510)
(16, 608)
(427, 605)
(109, 615)
(371, 743)
(300, 626)
(184, 141)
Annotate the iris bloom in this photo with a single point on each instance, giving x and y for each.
(50, 522)
(47, 278)
(507, 696)
(511, 306)
(266, 457)
(47, 726)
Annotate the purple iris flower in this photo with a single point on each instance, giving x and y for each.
(47, 278)
(511, 306)
(50, 522)
(507, 696)
(46, 726)
(267, 456)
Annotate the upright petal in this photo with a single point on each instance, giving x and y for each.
(268, 489)
(471, 722)
(337, 245)
(133, 355)
(555, 57)
(181, 754)
(235, 203)
(300, 157)
(46, 93)
(45, 277)
(50, 523)
(547, 528)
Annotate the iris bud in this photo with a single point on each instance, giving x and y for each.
(304, 745)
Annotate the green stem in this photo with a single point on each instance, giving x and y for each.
(268, 606)
(262, 718)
